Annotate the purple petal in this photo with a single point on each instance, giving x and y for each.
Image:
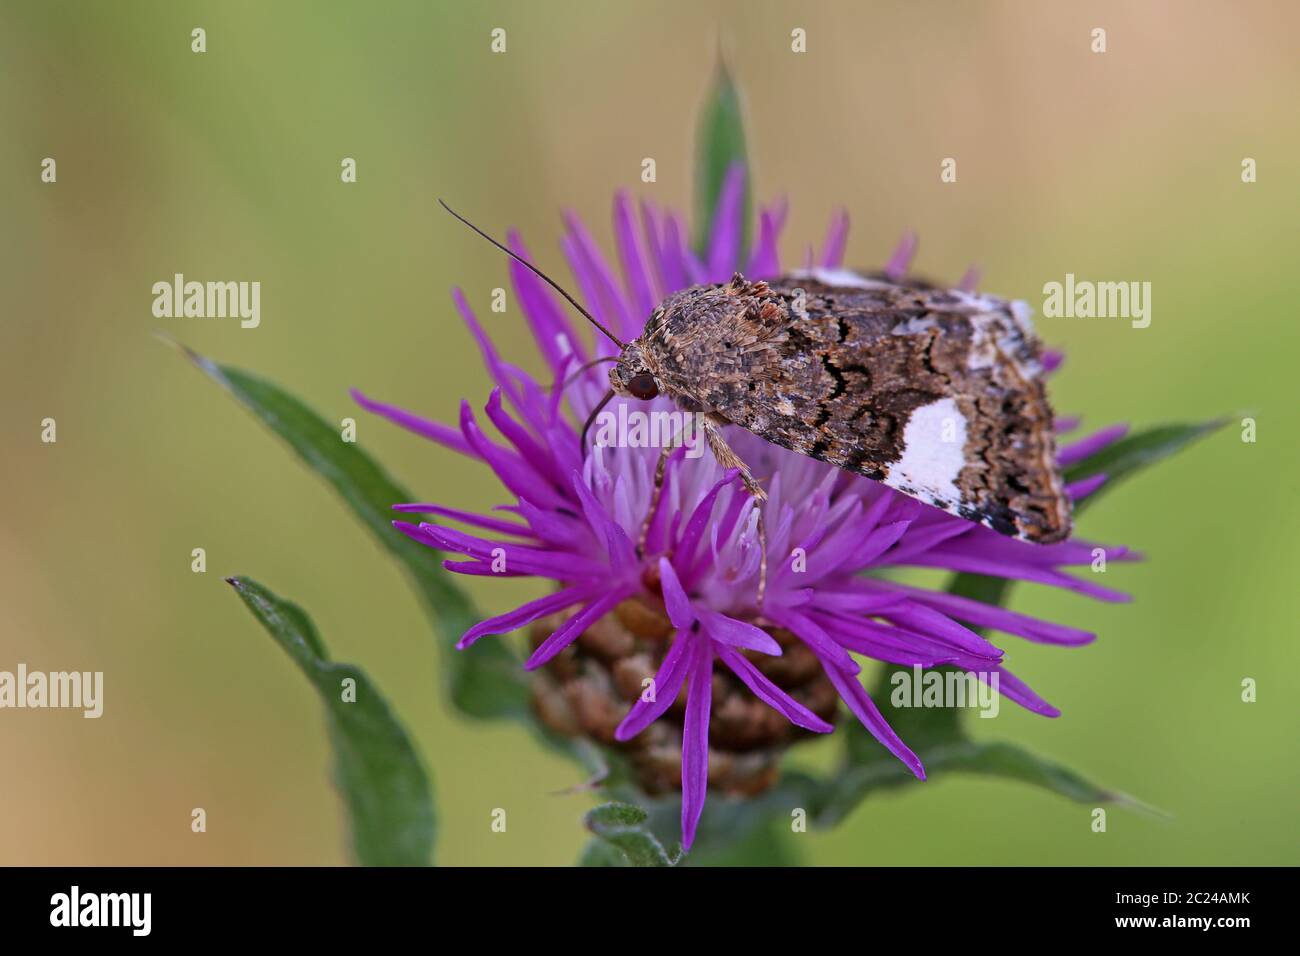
(901, 260)
(1079, 490)
(836, 237)
(513, 471)
(465, 517)
(695, 741)
(560, 528)
(986, 615)
(770, 694)
(444, 435)
(618, 547)
(667, 684)
(1094, 443)
(864, 602)
(572, 629)
(728, 630)
(938, 625)
(864, 708)
(932, 529)
(545, 563)
(895, 644)
(524, 614)
(540, 458)
(486, 348)
(546, 317)
(604, 298)
(677, 261)
(724, 244)
(678, 604)
(1013, 688)
(652, 228)
(480, 569)
(812, 634)
(877, 543)
(699, 517)
(632, 259)
(765, 260)
(975, 564)
(664, 511)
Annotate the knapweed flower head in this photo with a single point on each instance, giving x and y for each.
(592, 527)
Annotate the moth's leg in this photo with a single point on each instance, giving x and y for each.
(660, 468)
(729, 459)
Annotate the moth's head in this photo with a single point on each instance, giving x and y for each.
(632, 376)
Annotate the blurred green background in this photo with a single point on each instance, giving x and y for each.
(225, 165)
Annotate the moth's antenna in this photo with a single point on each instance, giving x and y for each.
(537, 272)
(582, 439)
(583, 369)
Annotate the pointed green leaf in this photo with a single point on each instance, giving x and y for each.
(719, 146)
(882, 771)
(938, 737)
(1009, 761)
(485, 679)
(378, 773)
(622, 826)
(1135, 452)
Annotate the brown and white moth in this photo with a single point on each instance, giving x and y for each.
(936, 393)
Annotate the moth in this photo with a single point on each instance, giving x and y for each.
(936, 393)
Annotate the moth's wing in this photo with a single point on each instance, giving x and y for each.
(935, 393)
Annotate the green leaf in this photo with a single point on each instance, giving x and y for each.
(732, 830)
(1137, 451)
(1012, 762)
(390, 810)
(879, 771)
(622, 826)
(937, 736)
(485, 679)
(761, 845)
(599, 853)
(720, 146)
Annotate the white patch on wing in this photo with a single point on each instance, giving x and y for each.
(979, 301)
(914, 326)
(1022, 313)
(933, 454)
(1003, 334)
(843, 278)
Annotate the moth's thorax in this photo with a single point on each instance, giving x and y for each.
(699, 322)
(705, 314)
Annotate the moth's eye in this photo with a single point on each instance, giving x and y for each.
(642, 386)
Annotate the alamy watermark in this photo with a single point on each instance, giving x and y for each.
(129, 910)
(946, 688)
(1084, 299)
(82, 690)
(208, 300)
(634, 428)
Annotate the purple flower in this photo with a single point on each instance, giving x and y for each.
(577, 521)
